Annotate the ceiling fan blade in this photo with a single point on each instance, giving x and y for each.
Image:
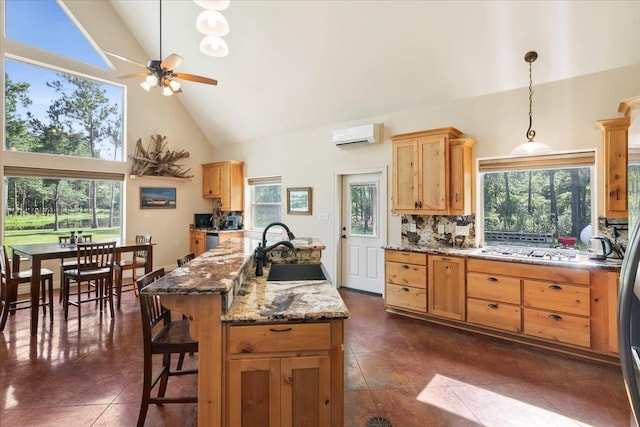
(194, 78)
(123, 58)
(130, 76)
(172, 61)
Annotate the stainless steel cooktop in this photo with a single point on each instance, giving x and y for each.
(550, 254)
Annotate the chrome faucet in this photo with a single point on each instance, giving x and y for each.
(262, 249)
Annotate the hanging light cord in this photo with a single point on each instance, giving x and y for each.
(161, 49)
(530, 57)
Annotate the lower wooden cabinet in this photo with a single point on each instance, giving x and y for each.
(558, 327)
(288, 391)
(197, 241)
(406, 280)
(285, 374)
(447, 287)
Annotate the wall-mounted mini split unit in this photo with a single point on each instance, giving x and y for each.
(358, 135)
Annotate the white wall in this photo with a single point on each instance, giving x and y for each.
(564, 114)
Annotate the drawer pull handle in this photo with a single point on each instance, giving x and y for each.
(405, 266)
(555, 287)
(492, 305)
(492, 279)
(555, 317)
(405, 289)
(279, 330)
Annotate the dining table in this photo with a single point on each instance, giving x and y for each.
(39, 252)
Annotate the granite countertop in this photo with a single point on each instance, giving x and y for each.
(229, 270)
(582, 261)
(306, 300)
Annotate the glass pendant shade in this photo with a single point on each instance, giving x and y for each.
(174, 85)
(212, 4)
(214, 46)
(212, 23)
(166, 91)
(531, 148)
(145, 85)
(152, 80)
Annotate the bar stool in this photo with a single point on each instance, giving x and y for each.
(185, 259)
(9, 282)
(139, 260)
(94, 267)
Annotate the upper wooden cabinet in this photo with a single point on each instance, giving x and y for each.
(433, 172)
(224, 181)
(615, 138)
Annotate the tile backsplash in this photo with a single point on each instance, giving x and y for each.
(439, 230)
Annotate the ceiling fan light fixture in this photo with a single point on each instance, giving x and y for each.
(213, 4)
(166, 91)
(214, 46)
(145, 85)
(152, 80)
(174, 85)
(212, 23)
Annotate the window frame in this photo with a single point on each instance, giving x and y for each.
(252, 182)
(558, 160)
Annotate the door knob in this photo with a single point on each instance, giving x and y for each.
(344, 236)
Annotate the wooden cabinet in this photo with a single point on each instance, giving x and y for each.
(406, 280)
(197, 241)
(223, 237)
(446, 287)
(427, 166)
(615, 139)
(493, 300)
(285, 374)
(224, 181)
(613, 283)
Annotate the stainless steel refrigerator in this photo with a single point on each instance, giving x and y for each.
(629, 322)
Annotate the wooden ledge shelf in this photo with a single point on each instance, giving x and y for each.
(157, 177)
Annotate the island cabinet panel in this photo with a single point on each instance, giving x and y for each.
(406, 280)
(447, 287)
(285, 374)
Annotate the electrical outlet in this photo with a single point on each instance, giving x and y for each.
(323, 217)
(462, 230)
(440, 229)
(412, 227)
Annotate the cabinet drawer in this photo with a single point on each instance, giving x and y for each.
(494, 314)
(493, 287)
(406, 274)
(564, 328)
(279, 337)
(406, 297)
(406, 257)
(557, 297)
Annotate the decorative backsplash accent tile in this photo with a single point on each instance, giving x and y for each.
(439, 230)
(616, 229)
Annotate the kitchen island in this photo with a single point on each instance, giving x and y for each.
(232, 314)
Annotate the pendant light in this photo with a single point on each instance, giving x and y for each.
(530, 147)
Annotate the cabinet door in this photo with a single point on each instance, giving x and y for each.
(211, 181)
(197, 241)
(231, 184)
(405, 175)
(306, 391)
(433, 183)
(461, 182)
(446, 296)
(615, 137)
(254, 392)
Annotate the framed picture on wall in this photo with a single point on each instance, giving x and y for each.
(299, 201)
(157, 198)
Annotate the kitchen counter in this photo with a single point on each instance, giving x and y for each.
(582, 260)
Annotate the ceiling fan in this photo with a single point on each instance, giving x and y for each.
(160, 72)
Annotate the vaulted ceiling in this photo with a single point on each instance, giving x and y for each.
(296, 65)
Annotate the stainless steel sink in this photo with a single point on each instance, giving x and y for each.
(291, 272)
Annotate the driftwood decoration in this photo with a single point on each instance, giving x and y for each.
(158, 160)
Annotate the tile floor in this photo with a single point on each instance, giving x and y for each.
(412, 372)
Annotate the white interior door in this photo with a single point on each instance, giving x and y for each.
(362, 254)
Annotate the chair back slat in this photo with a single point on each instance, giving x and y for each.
(185, 259)
(5, 267)
(95, 255)
(142, 253)
(152, 311)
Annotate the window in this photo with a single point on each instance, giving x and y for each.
(364, 207)
(266, 201)
(537, 200)
(54, 107)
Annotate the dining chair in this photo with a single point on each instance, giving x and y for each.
(66, 263)
(9, 282)
(185, 259)
(95, 268)
(161, 335)
(137, 261)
